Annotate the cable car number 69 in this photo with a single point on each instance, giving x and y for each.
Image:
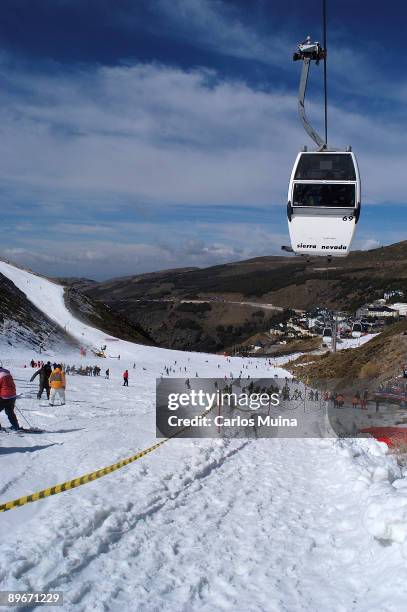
(350, 218)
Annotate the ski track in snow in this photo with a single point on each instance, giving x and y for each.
(243, 525)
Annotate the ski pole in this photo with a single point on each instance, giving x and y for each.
(26, 420)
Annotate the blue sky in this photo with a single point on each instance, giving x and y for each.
(138, 136)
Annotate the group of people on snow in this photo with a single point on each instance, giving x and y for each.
(36, 364)
(85, 370)
(52, 381)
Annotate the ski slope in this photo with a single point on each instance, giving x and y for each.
(243, 525)
(48, 297)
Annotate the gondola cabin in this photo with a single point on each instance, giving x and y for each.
(357, 330)
(323, 203)
(327, 335)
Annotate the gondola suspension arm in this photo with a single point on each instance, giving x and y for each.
(308, 51)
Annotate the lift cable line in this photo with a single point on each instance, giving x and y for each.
(324, 194)
(307, 52)
(325, 72)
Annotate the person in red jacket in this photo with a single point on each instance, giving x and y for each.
(126, 378)
(8, 395)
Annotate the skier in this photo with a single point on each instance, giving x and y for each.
(356, 400)
(57, 384)
(44, 373)
(107, 373)
(126, 378)
(8, 395)
(286, 393)
(365, 399)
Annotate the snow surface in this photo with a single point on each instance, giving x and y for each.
(242, 525)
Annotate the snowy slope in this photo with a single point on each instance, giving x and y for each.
(22, 324)
(49, 297)
(347, 343)
(279, 525)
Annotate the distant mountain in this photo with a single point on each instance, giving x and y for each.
(155, 300)
(216, 308)
(284, 281)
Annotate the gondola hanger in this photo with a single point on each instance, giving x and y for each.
(324, 193)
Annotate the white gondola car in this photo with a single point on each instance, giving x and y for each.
(357, 330)
(327, 335)
(323, 203)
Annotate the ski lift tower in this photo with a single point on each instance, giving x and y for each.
(334, 333)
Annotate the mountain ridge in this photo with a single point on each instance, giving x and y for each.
(154, 300)
(214, 308)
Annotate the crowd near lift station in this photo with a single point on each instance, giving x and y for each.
(324, 194)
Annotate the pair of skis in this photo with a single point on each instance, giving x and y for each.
(22, 430)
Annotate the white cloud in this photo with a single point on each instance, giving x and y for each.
(85, 149)
(217, 26)
(365, 244)
(204, 245)
(148, 134)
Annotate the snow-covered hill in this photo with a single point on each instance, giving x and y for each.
(279, 525)
(22, 324)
